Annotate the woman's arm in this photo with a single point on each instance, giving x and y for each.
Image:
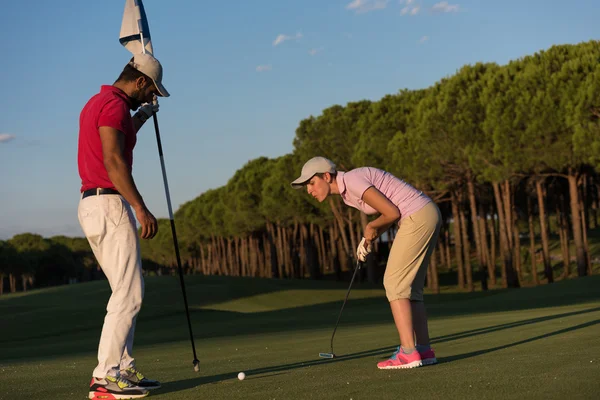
(389, 213)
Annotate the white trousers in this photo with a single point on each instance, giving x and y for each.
(109, 225)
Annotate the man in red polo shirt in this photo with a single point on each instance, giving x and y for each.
(107, 136)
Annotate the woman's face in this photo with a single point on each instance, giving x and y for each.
(319, 187)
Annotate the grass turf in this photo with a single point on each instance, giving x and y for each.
(541, 342)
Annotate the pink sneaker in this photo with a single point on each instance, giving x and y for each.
(428, 357)
(400, 360)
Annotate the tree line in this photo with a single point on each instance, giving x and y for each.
(509, 153)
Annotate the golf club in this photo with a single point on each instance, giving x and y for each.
(332, 354)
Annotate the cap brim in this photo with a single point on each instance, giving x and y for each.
(162, 92)
(301, 181)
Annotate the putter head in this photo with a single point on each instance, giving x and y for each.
(326, 355)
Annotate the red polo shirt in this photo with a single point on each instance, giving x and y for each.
(111, 108)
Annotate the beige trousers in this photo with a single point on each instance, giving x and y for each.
(407, 264)
(109, 225)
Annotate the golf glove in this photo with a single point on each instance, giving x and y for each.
(147, 110)
(363, 250)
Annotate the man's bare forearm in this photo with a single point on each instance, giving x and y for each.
(138, 121)
(119, 175)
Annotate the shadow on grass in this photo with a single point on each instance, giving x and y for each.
(280, 369)
(546, 335)
(496, 328)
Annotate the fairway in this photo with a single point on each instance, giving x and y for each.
(534, 343)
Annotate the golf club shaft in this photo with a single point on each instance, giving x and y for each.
(164, 172)
(344, 303)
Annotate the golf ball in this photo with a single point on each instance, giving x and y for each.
(241, 376)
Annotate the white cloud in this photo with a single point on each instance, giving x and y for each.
(313, 52)
(444, 7)
(424, 39)
(6, 137)
(263, 68)
(364, 6)
(282, 38)
(410, 7)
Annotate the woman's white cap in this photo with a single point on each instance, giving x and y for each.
(316, 165)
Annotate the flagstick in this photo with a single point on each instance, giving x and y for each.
(164, 172)
(173, 231)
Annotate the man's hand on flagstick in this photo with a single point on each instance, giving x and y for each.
(147, 110)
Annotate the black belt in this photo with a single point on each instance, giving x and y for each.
(98, 191)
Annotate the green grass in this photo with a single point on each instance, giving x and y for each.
(535, 343)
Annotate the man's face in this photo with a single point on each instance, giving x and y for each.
(144, 92)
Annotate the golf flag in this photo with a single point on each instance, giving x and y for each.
(135, 33)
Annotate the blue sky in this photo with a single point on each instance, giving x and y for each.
(242, 74)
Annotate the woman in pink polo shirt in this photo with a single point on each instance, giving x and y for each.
(372, 191)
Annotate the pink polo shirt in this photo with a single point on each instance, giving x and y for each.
(354, 183)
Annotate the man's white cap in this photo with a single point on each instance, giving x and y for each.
(149, 66)
(316, 165)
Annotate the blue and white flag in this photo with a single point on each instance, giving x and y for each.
(134, 28)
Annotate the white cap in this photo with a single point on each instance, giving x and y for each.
(316, 165)
(149, 66)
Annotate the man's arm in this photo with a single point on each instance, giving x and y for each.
(144, 113)
(138, 121)
(113, 145)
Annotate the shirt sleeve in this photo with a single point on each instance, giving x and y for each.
(115, 115)
(357, 182)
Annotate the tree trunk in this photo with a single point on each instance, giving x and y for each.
(341, 225)
(492, 229)
(541, 195)
(504, 242)
(576, 222)
(283, 239)
(202, 261)
(245, 250)
(564, 236)
(324, 253)
(466, 251)
(282, 264)
(485, 250)
(477, 235)
(259, 256)
(442, 245)
(304, 250)
(584, 225)
(513, 234)
(12, 282)
(353, 241)
(595, 190)
(274, 257)
(335, 254)
(447, 240)
(508, 211)
(457, 232)
(433, 269)
(230, 257)
(517, 242)
(227, 256)
(534, 276)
